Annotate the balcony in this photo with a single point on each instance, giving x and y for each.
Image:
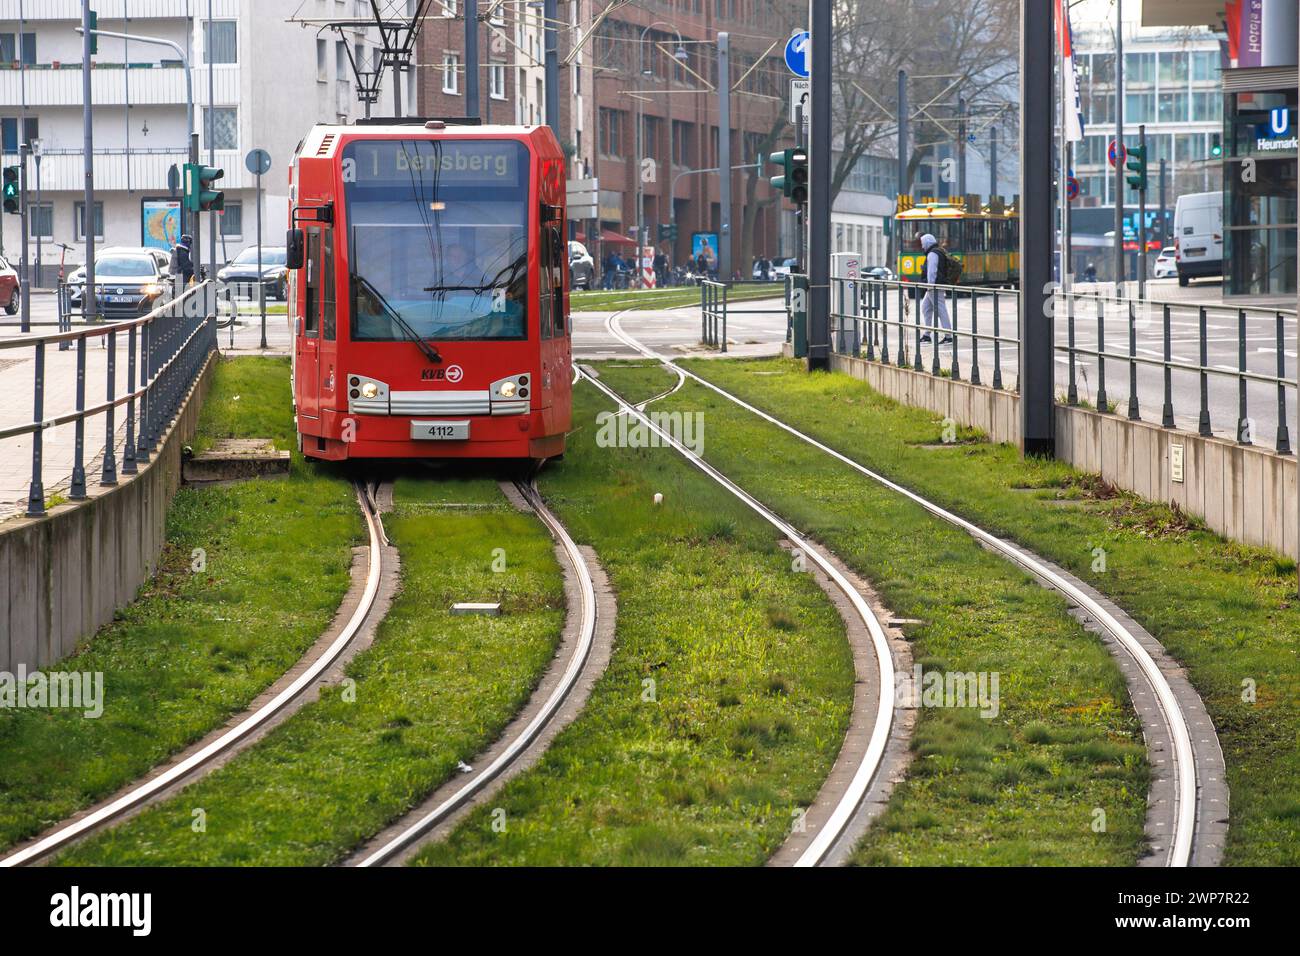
(35, 11)
(64, 170)
(151, 84)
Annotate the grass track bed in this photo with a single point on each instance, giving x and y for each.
(1020, 787)
(726, 699)
(196, 646)
(1228, 612)
(434, 689)
(600, 300)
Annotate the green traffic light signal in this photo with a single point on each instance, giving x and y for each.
(782, 160)
(1216, 146)
(200, 194)
(11, 189)
(1137, 164)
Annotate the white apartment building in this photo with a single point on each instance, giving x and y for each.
(271, 80)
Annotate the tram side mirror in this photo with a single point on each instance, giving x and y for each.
(294, 244)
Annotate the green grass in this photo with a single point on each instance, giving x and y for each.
(434, 689)
(725, 702)
(1018, 788)
(1226, 611)
(195, 647)
(614, 299)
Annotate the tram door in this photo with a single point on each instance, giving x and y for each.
(555, 331)
(307, 337)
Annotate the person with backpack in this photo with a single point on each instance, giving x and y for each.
(940, 269)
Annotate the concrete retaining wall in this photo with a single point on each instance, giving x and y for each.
(1243, 492)
(63, 576)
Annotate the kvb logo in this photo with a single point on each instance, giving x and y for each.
(452, 373)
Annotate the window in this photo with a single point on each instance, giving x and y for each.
(451, 73)
(222, 46)
(80, 212)
(322, 62)
(1141, 107)
(1205, 65)
(40, 219)
(497, 81)
(9, 132)
(611, 132)
(232, 219)
(1207, 107)
(449, 8)
(221, 127)
(9, 48)
(1139, 68)
(1173, 69)
(1173, 107)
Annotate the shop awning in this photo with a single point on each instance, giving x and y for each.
(610, 238)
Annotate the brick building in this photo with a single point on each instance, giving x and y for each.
(632, 66)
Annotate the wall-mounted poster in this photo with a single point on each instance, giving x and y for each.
(160, 223)
(706, 243)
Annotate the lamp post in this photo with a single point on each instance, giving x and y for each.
(680, 56)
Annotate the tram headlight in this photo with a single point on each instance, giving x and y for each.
(507, 389)
(369, 390)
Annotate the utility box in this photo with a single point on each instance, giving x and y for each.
(844, 300)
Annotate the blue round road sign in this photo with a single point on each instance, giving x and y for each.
(1117, 154)
(797, 52)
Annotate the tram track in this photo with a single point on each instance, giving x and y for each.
(221, 745)
(826, 838)
(558, 699)
(1182, 828)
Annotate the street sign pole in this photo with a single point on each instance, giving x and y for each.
(1119, 139)
(1142, 217)
(25, 280)
(88, 298)
(724, 157)
(258, 162)
(819, 196)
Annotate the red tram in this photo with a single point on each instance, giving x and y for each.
(428, 298)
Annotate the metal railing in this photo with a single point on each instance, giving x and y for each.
(713, 314)
(165, 351)
(890, 321)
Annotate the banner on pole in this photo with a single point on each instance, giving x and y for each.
(1070, 77)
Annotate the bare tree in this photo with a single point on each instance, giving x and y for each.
(950, 49)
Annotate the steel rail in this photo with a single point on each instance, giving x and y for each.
(1185, 770)
(516, 748)
(882, 726)
(150, 788)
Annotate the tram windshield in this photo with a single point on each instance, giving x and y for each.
(438, 239)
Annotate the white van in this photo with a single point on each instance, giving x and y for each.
(1198, 236)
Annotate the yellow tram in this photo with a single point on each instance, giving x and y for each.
(985, 237)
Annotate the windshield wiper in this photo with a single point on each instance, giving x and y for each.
(429, 351)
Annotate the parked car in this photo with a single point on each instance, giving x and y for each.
(1198, 236)
(11, 297)
(1166, 266)
(582, 268)
(160, 256)
(241, 272)
(127, 284)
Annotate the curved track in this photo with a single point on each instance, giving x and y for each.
(410, 833)
(1188, 782)
(863, 775)
(124, 804)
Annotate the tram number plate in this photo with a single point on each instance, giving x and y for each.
(440, 431)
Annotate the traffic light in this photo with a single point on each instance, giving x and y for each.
(1216, 146)
(1137, 165)
(668, 232)
(11, 189)
(94, 37)
(793, 181)
(799, 175)
(200, 194)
